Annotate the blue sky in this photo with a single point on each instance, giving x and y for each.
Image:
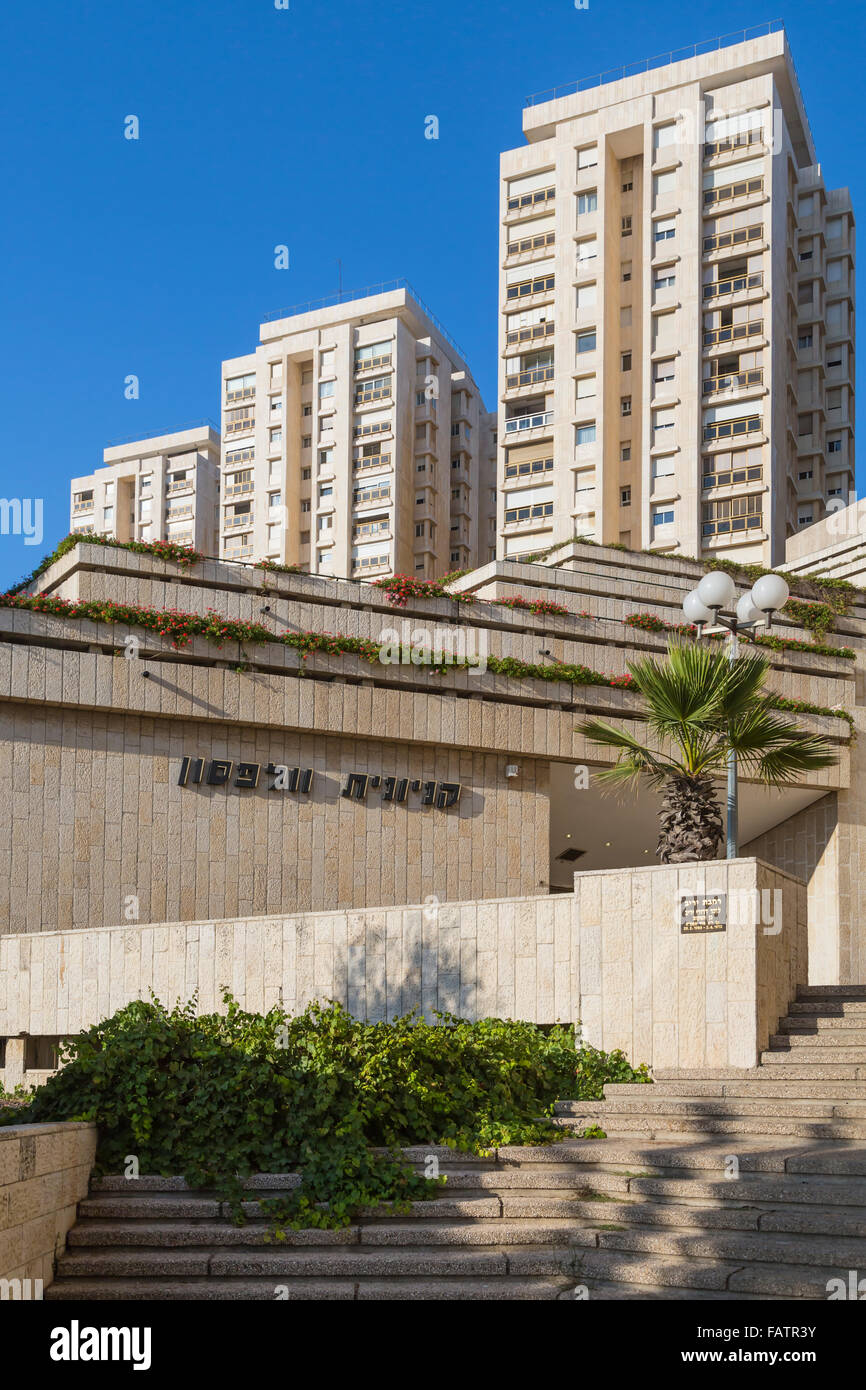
(302, 127)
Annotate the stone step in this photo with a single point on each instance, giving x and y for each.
(155, 1207)
(785, 1046)
(795, 1070)
(781, 1089)
(736, 1106)
(467, 1250)
(827, 1008)
(325, 1290)
(666, 1124)
(817, 1025)
(834, 992)
(848, 1039)
(731, 1277)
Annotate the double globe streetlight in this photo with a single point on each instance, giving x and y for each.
(714, 602)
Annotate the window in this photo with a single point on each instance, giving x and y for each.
(326, 389)
(664, 228)
(327, 360)
(585, 434)
(627, 187)
(664, 419)
(625, 226)
(663, 370)
(665, 136)
(586, 341)
(625, 497)
(664, 183)
(626, 272)
(834, 399)
(834, 362)
(625, 405)
(663, 467)
(834, 446)
(664, 281)
(804, 424)
(805, 340)
(731, 514)
(585, 387)
(804, 474)
(587, 202)
(662, 516)
(624, 453)
(325, 490)
(240, 388)
(306, 474)
(306, 441)
(587, 250)
(325, 523)
(275, 499)
(586, 296)
(587, 158)
(305, 505)
(326, 458)
(625, 362)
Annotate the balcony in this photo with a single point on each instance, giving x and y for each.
(371, 461)
(734, 285)
(733, 333)
(732, 429)
(530, 243)
(376, 427)
(178, 513)
(532, 334)
(242, 426)
(246, 393)
(745, 188)
(239, 489)
(535, 376)
(741, 141)
(517, 472)
(520, 423)
(373, 497)
(365, 395)
(733, 381)
(182, 485)
(369, 363)
(525, 203)
(733, 476)
(523, 516)
(231, 522)
(78, 507)
(540, 284)
(740, 236)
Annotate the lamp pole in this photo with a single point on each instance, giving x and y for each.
(714, 602)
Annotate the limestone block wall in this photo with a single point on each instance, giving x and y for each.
(708, 999)
(96, 830)
(44, 1174)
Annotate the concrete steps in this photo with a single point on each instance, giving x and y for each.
(711, 1185)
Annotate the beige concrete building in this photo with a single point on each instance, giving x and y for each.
(356, 443)
(677, 313)
(160, 489)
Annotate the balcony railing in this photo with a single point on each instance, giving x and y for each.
(729, 429)
(241, 426)
(177, 513)
(238, 489)
(372, 496)
(371, 461)
(740, 236)
(182, 485)
(540, 284)
(530, 335)
(533, 377)
(530, 243)
(82, 507)
(753, 474)
(741, 141)
(380, 427)
(515, 516)
(733, 381)
(531, 200)
(733, 332)
(372, 528)
(529, 422)
(378, 393)
(231, 521)
(744, 188)
(525, 470)
(246, 393)
(734, 284)
(368, 363)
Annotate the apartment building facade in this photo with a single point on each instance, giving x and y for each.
(676, 314)
(356, 444)
(165, 488)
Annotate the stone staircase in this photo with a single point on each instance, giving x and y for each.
(710, 1185)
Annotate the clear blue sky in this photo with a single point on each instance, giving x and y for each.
(302, 126)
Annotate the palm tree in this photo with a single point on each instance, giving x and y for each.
(700, 706)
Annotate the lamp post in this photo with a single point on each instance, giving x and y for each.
(715, 602)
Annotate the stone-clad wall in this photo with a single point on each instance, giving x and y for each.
(95, 818)
(705, 999)
(513, 957)
(44, 1174)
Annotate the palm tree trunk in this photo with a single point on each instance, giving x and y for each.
(690, 819)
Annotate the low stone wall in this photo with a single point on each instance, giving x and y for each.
(612, 955)
(689, 998)
(44, 1174)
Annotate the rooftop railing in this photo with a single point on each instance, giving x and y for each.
(661, 60)
(349, 297)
